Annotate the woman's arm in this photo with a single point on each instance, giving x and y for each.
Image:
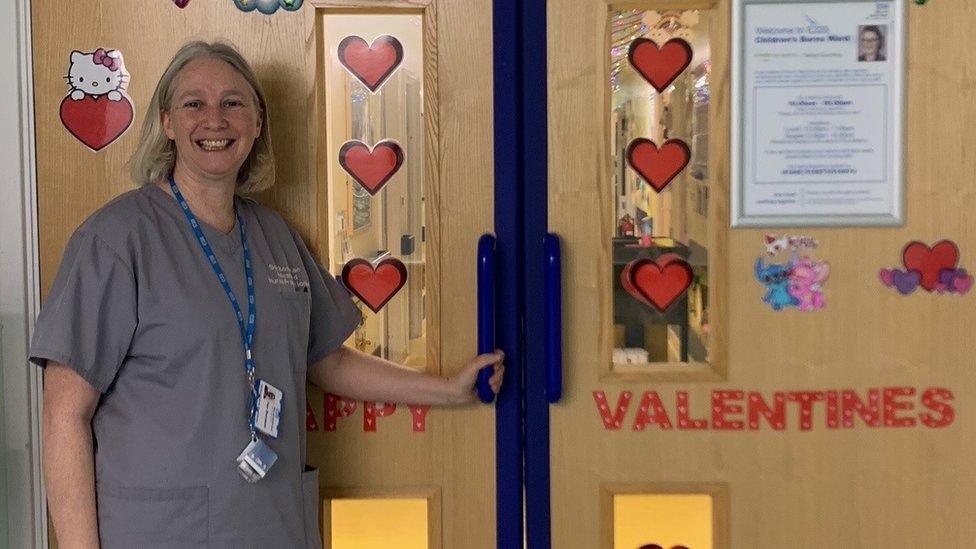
(360, 376)
(69, 461)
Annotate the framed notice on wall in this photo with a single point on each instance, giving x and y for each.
(817, 113)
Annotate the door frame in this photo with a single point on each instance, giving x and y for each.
(19, 290)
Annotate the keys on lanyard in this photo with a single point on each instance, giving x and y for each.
(257, 457)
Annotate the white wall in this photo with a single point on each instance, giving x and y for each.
(23, 521)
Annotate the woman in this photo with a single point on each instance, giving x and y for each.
(153, 353)
(871, 44)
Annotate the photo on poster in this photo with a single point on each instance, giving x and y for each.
(818, 111)
(871, 43)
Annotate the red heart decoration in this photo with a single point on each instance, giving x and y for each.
(930, 261)
(660, 65)
(372, 63)
(660, 282)
(658, 166)
(372, 168)
(376, 284)
(96, 121)
(181, 3)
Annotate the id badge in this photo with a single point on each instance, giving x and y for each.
(255, 461)
(267, 409)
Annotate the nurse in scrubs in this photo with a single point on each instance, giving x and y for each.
(181, 329)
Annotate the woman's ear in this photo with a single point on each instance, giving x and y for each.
(167, 123)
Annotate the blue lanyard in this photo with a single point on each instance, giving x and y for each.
(247, 334)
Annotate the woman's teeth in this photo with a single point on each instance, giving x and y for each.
(214, 144)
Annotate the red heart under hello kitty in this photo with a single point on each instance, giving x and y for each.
(376, 284)
(658, 166)
(181, 3)
(660, 66)
(372, 63)
(658, 283)
(96, 121)
(929, 262)
(372, 168)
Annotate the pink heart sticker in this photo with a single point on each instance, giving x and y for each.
(962, 284)
(887, 277)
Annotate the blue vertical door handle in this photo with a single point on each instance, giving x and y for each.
(553, 319)
(486, 312)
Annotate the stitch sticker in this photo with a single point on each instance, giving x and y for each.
(371, 167)
(372, 64)
(97, 110)
(933, 269)
(375, 284)
(660, 65)
(658, 166)
(267, 7)
(794, 283)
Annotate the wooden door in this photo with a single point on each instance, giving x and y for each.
(674, 435)
(438, 107)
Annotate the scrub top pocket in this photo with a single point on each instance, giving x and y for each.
(157, 518)
(295, 308)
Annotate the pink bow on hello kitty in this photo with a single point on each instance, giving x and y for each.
(101, 57)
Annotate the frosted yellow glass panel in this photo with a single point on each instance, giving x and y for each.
(667, 520)
(380, 220)
(660, 209)
(379, 523)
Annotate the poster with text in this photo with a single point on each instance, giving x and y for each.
(818, 106)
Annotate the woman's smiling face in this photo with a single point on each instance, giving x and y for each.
(214, 119)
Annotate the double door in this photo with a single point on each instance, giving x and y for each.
(627, 420)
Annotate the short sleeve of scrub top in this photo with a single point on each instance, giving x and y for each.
(89, 316)
(137, 311)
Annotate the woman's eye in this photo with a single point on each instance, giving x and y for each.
(191, 104)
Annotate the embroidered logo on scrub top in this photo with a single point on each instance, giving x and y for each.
(290, 277)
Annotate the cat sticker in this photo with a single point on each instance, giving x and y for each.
(794, 283)
(97, 110)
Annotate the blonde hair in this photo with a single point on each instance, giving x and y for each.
(155, 156)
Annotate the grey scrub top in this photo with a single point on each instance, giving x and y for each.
(137, 311)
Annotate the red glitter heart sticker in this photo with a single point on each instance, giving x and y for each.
(371, 168)
(372, 63)
(660, 66)
(658, 166)
(376, 284)
(658, 283)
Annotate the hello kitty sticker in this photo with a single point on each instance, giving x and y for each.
(796, 282)
(97, 109)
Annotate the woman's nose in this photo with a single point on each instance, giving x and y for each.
(214, 117)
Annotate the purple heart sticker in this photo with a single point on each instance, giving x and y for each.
(946, 276)
(906, 282)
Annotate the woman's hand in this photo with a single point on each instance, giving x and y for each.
(463, 383)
